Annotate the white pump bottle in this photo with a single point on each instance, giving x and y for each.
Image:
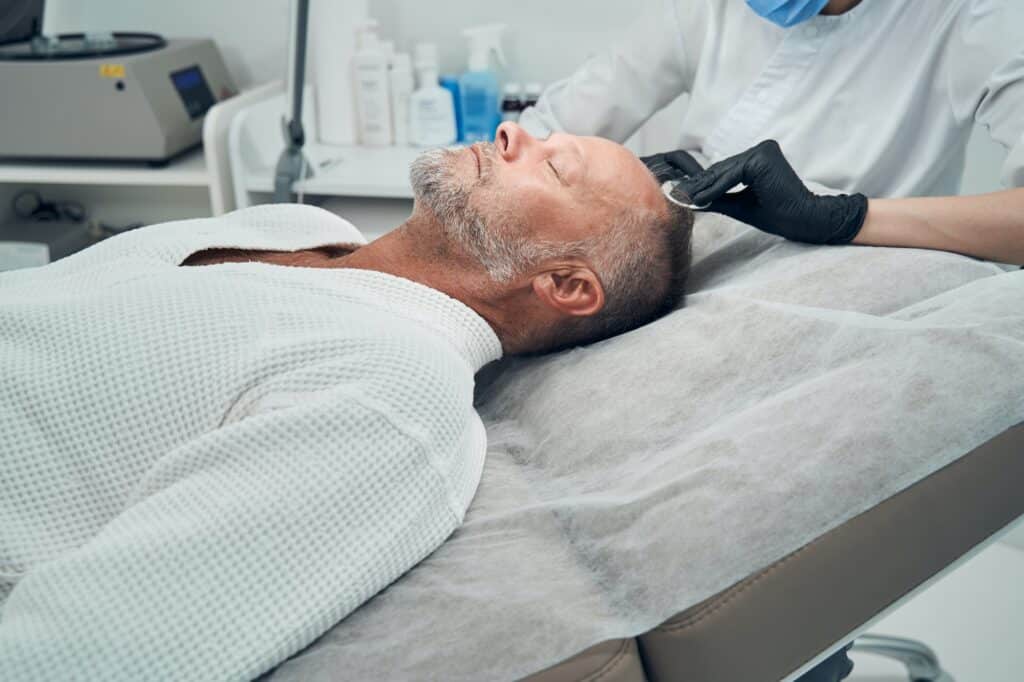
(432, 110)
(373, 97)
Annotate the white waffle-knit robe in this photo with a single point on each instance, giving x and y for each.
(202, 469)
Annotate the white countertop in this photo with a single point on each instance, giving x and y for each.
(348, 171)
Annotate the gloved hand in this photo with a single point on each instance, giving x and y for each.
(672, 165)
(775, 200)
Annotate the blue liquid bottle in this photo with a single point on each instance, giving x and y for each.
(478, 87)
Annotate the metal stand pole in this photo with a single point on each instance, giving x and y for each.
(292, 165)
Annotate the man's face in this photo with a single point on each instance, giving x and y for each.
(521, 191)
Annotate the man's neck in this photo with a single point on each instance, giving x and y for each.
(411, 251)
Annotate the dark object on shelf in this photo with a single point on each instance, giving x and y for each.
(21, 38)
(20, 20)
(60, 237)
(31, 206)
(80, 46)
(44, 231)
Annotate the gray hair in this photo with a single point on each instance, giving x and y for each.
(643, 262)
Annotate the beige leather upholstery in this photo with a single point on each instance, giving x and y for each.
(768, 625)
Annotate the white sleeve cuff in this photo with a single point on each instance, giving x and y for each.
(1013, 168)
(530, 120)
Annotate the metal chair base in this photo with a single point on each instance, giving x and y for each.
(921, 662)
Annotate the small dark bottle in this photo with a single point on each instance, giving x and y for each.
(511, 104)
(532, 94)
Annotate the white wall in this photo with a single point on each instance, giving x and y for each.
(545, 40)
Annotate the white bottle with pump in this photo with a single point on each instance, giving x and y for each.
(431, 108)
(373, 97)
(401, 93)
(478, 87)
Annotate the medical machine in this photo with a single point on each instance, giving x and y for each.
(125, 96)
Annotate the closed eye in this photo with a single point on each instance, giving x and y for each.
(555, 171)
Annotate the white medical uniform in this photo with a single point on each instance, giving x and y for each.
(202, 469)
(879, 100)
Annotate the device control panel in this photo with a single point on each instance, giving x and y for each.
(194, 92)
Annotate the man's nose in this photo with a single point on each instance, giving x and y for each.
(512, 141)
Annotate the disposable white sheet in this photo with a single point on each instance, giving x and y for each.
(628, 481)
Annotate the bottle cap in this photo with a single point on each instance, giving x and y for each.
(367, 34)
(482, 41)
(425, 56)
(513, 89)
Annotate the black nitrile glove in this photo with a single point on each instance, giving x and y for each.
(775, 200)
(672, 165)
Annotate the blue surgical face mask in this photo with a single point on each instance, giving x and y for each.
(787, 13)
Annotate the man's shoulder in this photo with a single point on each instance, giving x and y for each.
(387, 374)
(422, 358)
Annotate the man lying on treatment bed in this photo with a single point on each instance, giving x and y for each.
(220, 437)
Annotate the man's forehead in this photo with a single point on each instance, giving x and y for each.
(615, 171)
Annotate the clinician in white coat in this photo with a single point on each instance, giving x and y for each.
(868, 96)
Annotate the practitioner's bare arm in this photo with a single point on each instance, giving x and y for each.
(988, 226)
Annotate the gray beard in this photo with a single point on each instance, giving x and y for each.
(493, 243)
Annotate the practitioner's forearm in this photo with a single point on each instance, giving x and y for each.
(988, 226)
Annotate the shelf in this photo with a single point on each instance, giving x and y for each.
(255, 145)
(187, 170)
(348, 171)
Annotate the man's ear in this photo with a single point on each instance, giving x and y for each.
(570, 290)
